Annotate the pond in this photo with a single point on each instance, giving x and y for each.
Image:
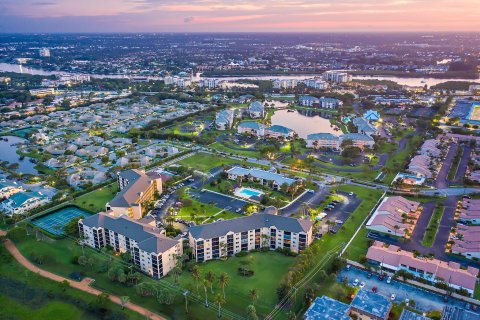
(8, 152)
(305, 122)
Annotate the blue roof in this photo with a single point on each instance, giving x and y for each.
(326, 308)
(261, 174)
(356, 136)
(307, 97)
(256, 106)
(252, 125)
(4, 184)
(409, 315)
(372, 303)
(363, 125)
(322, 136)
(371, 115)
(280, 129)
(20, 197)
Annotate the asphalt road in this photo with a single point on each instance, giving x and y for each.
(462, 166)
(442, 177)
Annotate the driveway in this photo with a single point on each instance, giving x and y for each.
(424, 300)
(462, 166)
(441, 181)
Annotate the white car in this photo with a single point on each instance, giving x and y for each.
(389, 279)
(362, 284)
(355, 283)
(350, 194)
(393, 296)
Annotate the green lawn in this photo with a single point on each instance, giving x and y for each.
(269, 267)
(397, 161)
(96, 200)
(223, 147)
(456, 161)
(205, 161)
(26, 295)
(433, 224)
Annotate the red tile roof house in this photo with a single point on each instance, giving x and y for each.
(468, 211)
(466, 241)
(392, 258)
(395, 215)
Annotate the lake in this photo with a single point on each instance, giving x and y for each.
(305, 122)
(8, 152)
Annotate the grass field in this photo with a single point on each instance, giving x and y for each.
(205, 161)
(96, 200)
(398, 160)
(433, 224)
(26, 295)
(269, 267)
(242, 153)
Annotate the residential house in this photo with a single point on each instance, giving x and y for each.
(22, 202)
(224, 119)
(468, 211)
(364, 127)
(256, 110)
(371, 115)
(8, 189)
(466, 241)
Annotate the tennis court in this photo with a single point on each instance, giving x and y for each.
(56, 220)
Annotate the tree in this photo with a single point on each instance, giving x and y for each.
(102, 299)
(205, 286)
(210, 277)
(124, 300)
(223, 279)
(196, 275)
(219, 300)
(253, 295)
(64, 285)
(252, 313)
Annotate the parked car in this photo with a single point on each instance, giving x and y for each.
(381, 277)
(355, 283)
(362, 284)
(370, 275)
(374, 289)
(350, 194)
(393, 296)
(389, 279)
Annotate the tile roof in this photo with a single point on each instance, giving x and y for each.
(148, 238)
(255, 221)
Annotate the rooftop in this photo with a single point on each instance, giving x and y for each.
(372, 303)
(325, 308)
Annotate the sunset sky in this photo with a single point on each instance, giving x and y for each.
(238, 15)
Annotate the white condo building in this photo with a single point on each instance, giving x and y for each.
(153, 252)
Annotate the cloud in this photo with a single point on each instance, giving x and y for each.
(188, 19)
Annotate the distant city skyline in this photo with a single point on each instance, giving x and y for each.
(238, 16)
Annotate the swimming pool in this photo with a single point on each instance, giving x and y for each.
(56, 220)
(248, 193)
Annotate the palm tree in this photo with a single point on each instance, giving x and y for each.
(196, 275)
(210, 277)
(124, 300)
(219, 300)
(205, 285)
(395, 228)
(251, 313)
(223, 279)
(253, 295)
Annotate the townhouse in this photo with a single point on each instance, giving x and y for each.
(256, 110)
(263, 177)
(393, 259)
(277, 131)
(323, 141)
(422, 166)
(468, 211)
(136, 189)
(8, 189)
(251, 127)
(395, 215)
(224, 119)
(152, 252)
(466, 241)
(262, 230)
(22, 202)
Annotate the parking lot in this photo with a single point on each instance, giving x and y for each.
(219, 200)
(424, 300)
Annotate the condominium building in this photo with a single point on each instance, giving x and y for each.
(468, 211)
(224, 120)
(8, 189)
(153, 252)
(364, 127)
(323, 141)
(392, 258)
(277, 131)
(136, 190)
(22, 202)
(466, 241)
(263, 230)
(208, 83)
(336, 76)
(323, 102)
(275, 180)
(251, 127)
(395, 215)
(256, 110)
(44, 52)
(359, 140)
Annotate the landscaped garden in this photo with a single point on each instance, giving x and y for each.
(433, 224)
(205, 161)
(95, 201)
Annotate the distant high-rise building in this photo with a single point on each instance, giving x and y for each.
(336, 76)
(44, 52)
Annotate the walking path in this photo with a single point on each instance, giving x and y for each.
(83, 285)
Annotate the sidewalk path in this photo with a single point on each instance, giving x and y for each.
(83, 285)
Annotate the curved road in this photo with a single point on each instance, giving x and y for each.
(83, 285)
